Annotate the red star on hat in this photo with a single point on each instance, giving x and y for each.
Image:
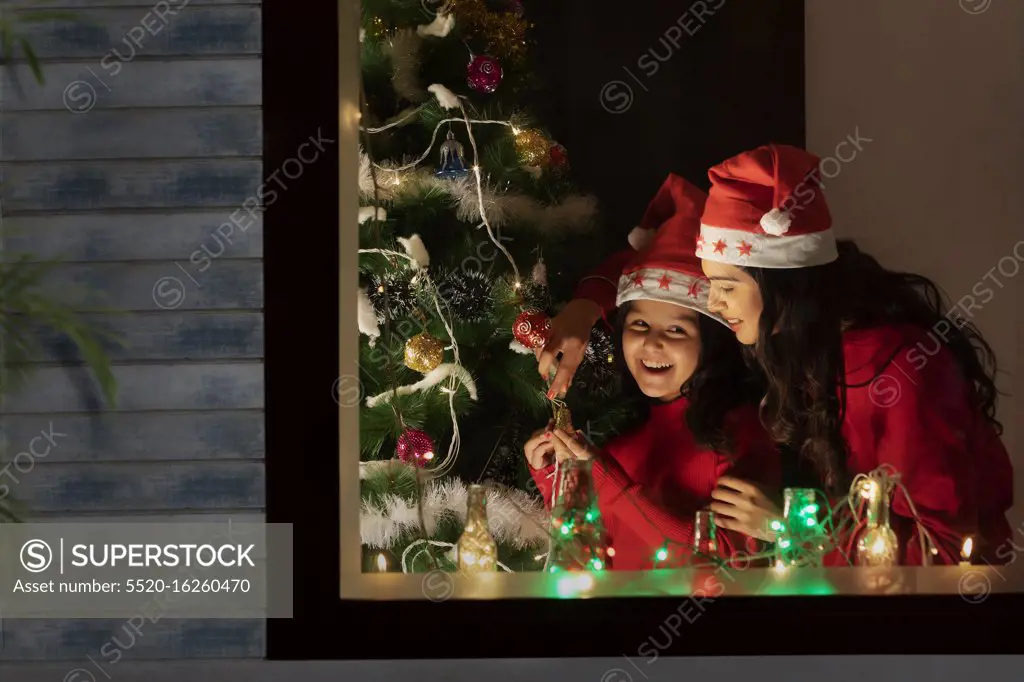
(694, 291)
(638, 281)
(744, 248)
(720, 246)
(664, 281)
(700, 242)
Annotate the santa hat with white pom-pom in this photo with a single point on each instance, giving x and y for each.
(766, 209)
(665, 268)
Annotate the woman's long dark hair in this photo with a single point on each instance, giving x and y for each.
(802, 358)
(722, 381)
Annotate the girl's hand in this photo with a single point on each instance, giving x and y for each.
(540, 449)
(572, 446)
(570, 333)
(743, 507)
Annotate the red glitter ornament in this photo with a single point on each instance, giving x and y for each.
(559, 156)
(415, 447)
(532, 328)
(484, 73)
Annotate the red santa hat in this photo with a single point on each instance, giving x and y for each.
(666, 269)
(766, 209)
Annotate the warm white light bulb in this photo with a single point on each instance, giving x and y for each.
(382, 563)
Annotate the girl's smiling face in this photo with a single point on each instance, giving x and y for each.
(735, 296)
(661, 346)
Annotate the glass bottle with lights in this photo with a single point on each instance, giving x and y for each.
(705, 544)
(877, 544)
(801, 538)
(476, 550)
(578, 538)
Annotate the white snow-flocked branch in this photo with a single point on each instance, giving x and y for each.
(440, 27)
(367, 317)
(431, 379)
(445, 97)
(503, 208)
(515, 517)
(369, 212)
(416, 249)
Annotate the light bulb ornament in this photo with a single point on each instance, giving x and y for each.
(877, 544)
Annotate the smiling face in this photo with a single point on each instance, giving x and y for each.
(661, 346)
(736, 297)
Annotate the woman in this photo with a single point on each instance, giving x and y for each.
(863, 368)
(702, 422)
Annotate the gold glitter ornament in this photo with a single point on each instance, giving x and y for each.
(423, 353)
(563, 418)
(533, 148)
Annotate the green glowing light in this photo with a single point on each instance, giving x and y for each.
(783, 544)
(811, 522)
(777, 526)
(662, 554)
(590, 516)
(565, 530)
(598, 565)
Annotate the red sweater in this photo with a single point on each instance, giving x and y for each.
(651, 481)
(917, 415)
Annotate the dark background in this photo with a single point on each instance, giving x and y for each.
(736, 83)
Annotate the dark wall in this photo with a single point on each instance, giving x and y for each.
(730, 82)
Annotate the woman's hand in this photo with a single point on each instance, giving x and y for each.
(572, 446)
(570, 333)
(743, 507)
(540, 448)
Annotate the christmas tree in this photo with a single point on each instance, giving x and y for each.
(472, 235)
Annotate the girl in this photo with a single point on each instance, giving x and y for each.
(702, 421)
(862, 366)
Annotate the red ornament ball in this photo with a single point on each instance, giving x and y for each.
(559, 156)
(484, 73)
(415, 447)
(532, 328)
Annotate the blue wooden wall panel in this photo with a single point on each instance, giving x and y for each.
(140, 436)
(103, 640)
(121, 35)
(165, 336)
(93, 185)
(191, 386)
(207, 485)
(83, 4)
(133, 236)
(152, 84)
(129, 167)
(137, 134)
(172, 285)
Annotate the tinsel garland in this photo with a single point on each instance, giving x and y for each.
(515, 517)
(468, 294)
(574, 214)
(396, 289)
(502, 34)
